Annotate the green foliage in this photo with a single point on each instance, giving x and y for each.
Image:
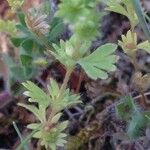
(66, 100)
(136, 124)
(15, 4)
(95, 65)
(130, 112)
(125, 108)
(61, 55)
(70, 51)
(8, 26)
(100, 61)
(48, 130)
(123, 7)
(82, 17)
(129, 43)
(144, 45)
(33, 91)
(37, 33)
(32, 46)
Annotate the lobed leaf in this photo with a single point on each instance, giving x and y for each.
(100, 61)
(36, 94)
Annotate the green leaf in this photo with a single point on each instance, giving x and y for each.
(62, 126)
(145, 46)
(126, 108)
(68, 99)
(56, 31)
(82, 16)
(18, 72)
(115, 6)
(36, 94)
(136, 124)
(56, 118)
(123, 7)
(23, 29)
(21, 17)
(33, 126)
(53, 88)
(28, 45)
(52, 146)
(60, 54)
(100, 61)
(26, 60)
(17, 41)
(34, 110)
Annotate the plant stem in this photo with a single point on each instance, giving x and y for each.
(141, 16)
(65, 82)
(81, 77)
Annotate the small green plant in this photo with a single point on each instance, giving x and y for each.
(38, 34)
(128, 110)
(84, 25)
(32, 34)
(49, 130)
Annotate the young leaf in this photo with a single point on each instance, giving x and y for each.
(53, 89)
(145, 46)
(129, 43)
(100, 61)
(82, 16)
(115, 6)
(60, 54)
(56, 118)
(125, 8)
(36, 94)
(34, 126)
(68, 99)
